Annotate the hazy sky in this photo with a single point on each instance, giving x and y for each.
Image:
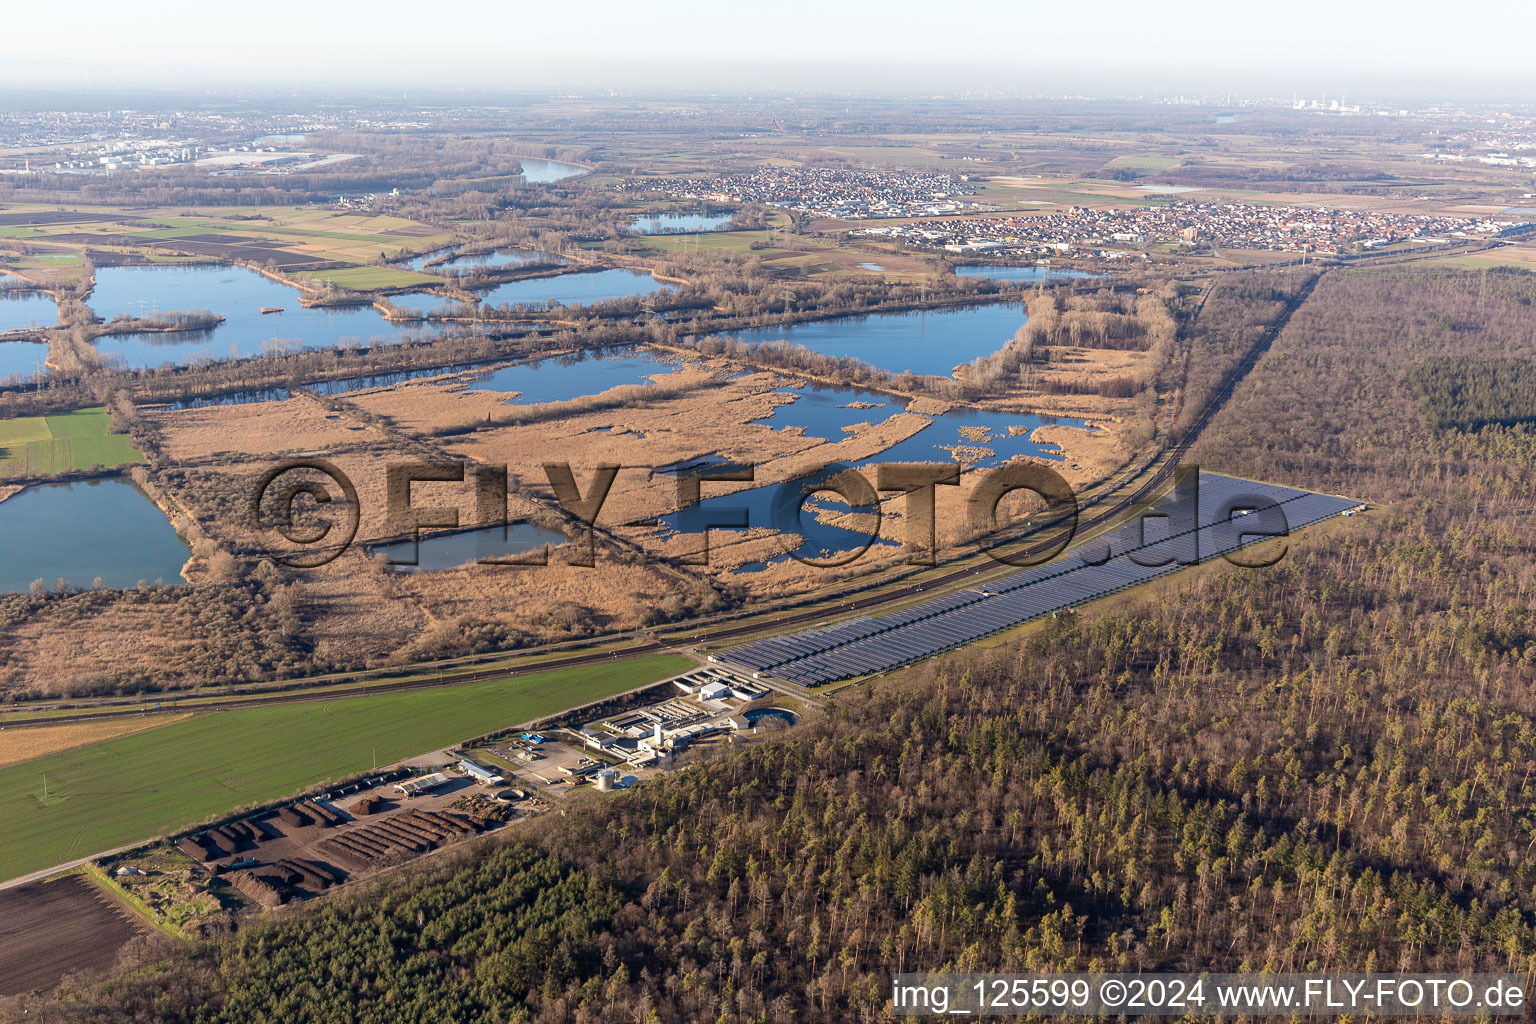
(1154, 47)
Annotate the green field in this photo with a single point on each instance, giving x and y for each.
(365, 278)
(711, 241)
(1144, 163)
(322, 234)
(136, 787)
(906, 156)
(76, 440)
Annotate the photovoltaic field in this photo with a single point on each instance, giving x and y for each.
(1205, 516)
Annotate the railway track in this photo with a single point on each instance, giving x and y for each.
(729, 631)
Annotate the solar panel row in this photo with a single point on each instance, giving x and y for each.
(1195, 522)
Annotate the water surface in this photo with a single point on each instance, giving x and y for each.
(679, 223)
(1022, 273)
(546, 171)
(22, 359)
(501, 258)
(27, 309)
(585, 288)
(387, 379)
(423, 302)
(420, 262)
(79, 531)
(462, 547)
(249, 397)
(238, 295)
(922, 341)
(825, 412)
(563, 378)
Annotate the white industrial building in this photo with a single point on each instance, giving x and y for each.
(484, 776)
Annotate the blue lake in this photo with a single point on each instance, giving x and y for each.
(21, 358)
(923, 341)
(27, 309)
(824, 412)
(585, 288)
(238, 295)
(79, 531)
(679, 223)
(501, 258)
(999, 273)
(546, 171)
(451, 550)
(563, 378)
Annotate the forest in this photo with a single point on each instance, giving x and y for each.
(1325, 764)
(1469, 392)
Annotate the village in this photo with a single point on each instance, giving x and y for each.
(1321, 230)
(824, 192)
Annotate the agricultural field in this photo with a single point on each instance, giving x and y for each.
(1516, 257)
(73, 803)
(1144, 162)
(713, 241)
(35, 741)
(289, 238)
(84, 928)
(901, 156)
(60, 443)
(803, 255)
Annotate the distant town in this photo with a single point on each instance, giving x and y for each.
(1322, 230)
(843, 194)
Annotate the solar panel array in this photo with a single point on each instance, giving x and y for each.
(1179, 528)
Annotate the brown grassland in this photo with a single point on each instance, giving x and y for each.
(34, 741)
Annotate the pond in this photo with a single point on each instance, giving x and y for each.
(824, 412)
(422, 302)
(462, 547)
(248, 397)
(420, 262)
(27, 309)
(22, 359)
(563, 378)
(1022, 273)
(990, 439)
(679, 223)
(238, 295)
(81, 531)
(922, 341)
(509, 257)
(585, 288)
(546, 171)
(385, 379)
